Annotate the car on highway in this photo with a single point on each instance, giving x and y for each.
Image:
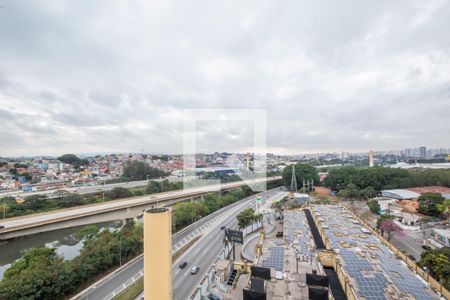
(2, 226)
(195, 269)
(426, 247)
(183, 265)
(222, 228)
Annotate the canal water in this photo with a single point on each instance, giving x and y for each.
(63, 240)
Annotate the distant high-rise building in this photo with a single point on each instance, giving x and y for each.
(371, 164)
(423, 152)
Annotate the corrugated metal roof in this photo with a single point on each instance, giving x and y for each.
(400, 194)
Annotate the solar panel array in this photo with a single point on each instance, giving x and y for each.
(275, 260)
(373, 268)
(295, 222)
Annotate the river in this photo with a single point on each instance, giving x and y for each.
(62, 240)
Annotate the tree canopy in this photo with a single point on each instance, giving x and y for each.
(429, 203)
(438, 264)
(137, 170)
(245, 218)
(39, 274)
(72, 159)
(374, 206)
(380, 178)
(42, 274)
(302, 170)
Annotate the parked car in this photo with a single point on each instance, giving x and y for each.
(2, 226)
(426, 247)
(213, 297)
(183, 264)
(195, 269)
(412, 257)
(222, 228)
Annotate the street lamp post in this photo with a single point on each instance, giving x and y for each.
(103, 191)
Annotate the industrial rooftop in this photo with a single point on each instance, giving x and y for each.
(374, 271)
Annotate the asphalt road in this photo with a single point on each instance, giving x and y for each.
(202, 253)
(110, 205)
(411, 242)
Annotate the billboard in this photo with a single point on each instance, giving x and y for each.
(234, 236)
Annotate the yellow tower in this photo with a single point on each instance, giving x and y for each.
(158, 254)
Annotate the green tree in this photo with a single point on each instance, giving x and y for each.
(120, 192)
(437, 262)
(153, 187)
(245, 218)
(211, 202)
(302, 170)
(374, 206)
(71, 159)
(68, 199)
(137, 170)
(39, 274)
(368, 192)
(351, 192)
(87, 232)
(429, 203)
(36, 202)
(138, 193)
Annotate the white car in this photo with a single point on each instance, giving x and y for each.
(195, 269)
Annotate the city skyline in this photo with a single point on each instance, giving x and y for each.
(408, 151)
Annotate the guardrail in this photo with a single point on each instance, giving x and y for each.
(148, 199)
(201, 290)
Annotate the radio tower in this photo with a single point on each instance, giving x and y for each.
(293, 180)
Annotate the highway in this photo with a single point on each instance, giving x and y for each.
(76, 212)
(202, 253)
(87, 189)
(205, 251)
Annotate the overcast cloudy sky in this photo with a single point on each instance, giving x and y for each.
(114, 76)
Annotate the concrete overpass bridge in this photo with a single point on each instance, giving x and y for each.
(109, 211)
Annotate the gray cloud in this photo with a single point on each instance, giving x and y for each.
(88, 77)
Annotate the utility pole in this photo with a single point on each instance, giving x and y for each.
(103, 190)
